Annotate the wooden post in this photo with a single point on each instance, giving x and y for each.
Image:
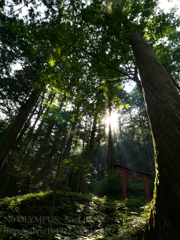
(124, 184)
(146, 188)
(127, 172)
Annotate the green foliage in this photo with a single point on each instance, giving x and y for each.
(76, 216)
(81, 54)
(134, 202)
(111, 186)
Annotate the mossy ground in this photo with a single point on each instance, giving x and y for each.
(76, 216)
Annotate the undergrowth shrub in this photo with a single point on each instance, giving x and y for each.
(111, 186)
(76, 216)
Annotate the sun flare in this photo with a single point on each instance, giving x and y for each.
(113, 120)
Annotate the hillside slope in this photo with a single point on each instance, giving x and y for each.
(76, 216)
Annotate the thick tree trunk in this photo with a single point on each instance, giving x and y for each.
(15, 128)
(162, 102)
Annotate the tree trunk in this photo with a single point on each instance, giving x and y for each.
(37, 159)
(14, 129)
(98, 153)
(48, 166)
(66, 155)
(83, 184)
(29, 134)
(54, 200)
(162, 102)
(110, 145)
(36, 134)
(25, 127)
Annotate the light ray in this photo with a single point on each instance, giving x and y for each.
(113, 120)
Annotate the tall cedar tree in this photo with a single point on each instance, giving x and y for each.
(162, 101)
(15, 128)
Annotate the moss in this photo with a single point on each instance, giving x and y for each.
(76, 216)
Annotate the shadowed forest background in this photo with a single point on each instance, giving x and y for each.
(67, 116)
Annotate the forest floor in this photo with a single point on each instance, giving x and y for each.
(76, 216)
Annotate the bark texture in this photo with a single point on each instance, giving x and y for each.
(14, 129)
(163, 107)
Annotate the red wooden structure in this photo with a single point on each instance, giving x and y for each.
(127, 172)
